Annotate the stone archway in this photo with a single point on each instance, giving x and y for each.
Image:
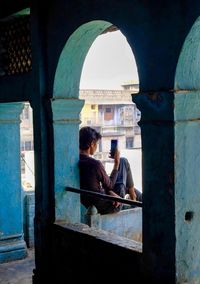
(66, 107)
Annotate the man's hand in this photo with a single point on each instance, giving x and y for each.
(115, 203)
(132, 193)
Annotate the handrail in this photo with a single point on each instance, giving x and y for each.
(104, 196)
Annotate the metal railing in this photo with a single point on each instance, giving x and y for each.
(104, 196)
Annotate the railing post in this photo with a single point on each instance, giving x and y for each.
(92, 217)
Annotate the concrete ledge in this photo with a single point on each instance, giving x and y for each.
(103, 235)
(86, 254)
(126, 223)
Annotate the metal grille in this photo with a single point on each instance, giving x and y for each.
(15, 46)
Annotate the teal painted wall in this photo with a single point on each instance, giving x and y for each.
(12, 245)
(66, 108)
(66, 155)
(10, 179)
(155, 31)
(187, 158)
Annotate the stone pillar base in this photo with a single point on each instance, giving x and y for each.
(12, 249)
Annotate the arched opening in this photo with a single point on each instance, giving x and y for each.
(187, 162)
(109, 77)
(66, 109)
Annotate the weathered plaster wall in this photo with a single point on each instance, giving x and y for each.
(126, 223)
(28, 217)
(66, 108)
(12, 245)
(155, 31)
(187, 159)
(158, 198)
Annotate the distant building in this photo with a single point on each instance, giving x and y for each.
(26, 128)
(131, 85)
(111, 112)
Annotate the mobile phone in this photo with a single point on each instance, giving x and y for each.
(113, 147)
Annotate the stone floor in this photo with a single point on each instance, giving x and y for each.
(19, 271)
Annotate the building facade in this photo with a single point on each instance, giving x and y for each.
(111, 112)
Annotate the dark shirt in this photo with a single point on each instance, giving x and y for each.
(93, 177)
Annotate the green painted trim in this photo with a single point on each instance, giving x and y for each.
(188, 72)
(22, 12)
(69, 68)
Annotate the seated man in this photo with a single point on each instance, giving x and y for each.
(94, 177)
(124, 185)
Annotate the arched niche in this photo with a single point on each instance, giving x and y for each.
(187, 158)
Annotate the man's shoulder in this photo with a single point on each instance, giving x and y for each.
(89, 160)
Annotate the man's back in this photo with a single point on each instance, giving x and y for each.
(90, 172)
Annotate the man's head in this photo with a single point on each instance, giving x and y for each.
(87, 137)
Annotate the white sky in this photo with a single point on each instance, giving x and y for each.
(109, 63)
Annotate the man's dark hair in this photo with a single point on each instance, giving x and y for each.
(87, 135)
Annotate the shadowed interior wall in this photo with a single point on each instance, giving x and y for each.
(155, 31)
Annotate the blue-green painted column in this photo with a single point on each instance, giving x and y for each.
(187, 159)
(12, 245)
(66, 155)
(157, 129)
(66, 108)
(187, 165)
